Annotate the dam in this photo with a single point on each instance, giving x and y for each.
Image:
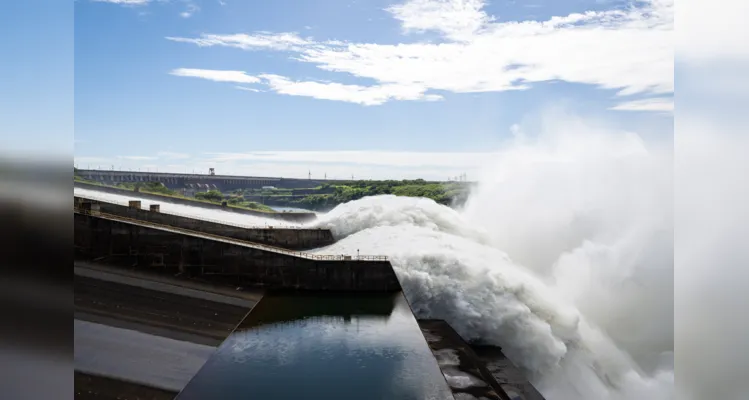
(170, 306)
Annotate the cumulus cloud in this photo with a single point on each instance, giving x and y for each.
(629, 50)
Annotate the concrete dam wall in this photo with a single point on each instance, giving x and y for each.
(162, 250)
(288, 216)
(181, 181)
(287, 238)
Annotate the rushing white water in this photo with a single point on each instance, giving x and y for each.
(563, 256)
(179, 209)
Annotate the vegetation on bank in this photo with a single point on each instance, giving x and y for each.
(320, 198)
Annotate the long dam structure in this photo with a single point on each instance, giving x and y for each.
(198, 181)
(172, 306)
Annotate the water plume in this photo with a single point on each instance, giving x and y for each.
(563, 256)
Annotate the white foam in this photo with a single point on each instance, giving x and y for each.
(189, 211)
(563, 256)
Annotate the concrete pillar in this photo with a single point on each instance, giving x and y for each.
(134, 204)
(155, 208)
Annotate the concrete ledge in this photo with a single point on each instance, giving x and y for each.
(288, 238)
(291, 217)
(95, 387)
(161, 250)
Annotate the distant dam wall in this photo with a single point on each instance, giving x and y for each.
(287, 238)
(134, 244)
(179, 181)
(286, 216)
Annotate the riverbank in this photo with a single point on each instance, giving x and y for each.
(325, 197)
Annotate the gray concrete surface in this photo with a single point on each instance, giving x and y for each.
(135, 356)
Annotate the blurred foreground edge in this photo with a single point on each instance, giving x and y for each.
(36, 336)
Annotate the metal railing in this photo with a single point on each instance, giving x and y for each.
(216, 221)
(260, 246)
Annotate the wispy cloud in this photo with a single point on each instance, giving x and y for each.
(259, 40)
(655, 104)
(629, 50)
(365, 95)
(191, 9)
(216, 75)
(248, 89)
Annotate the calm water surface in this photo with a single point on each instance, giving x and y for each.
(305, 346)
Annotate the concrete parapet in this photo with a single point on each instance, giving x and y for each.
(286, 216)
(110, 240)
(288, 238)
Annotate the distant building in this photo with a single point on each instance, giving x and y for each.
(269, 188)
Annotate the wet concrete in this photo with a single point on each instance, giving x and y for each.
(141, 338)
(512, 379)
(171, 251)
(95, 387)
(137, 357)
(465, 373)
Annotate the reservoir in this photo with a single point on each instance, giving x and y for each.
(323, 346)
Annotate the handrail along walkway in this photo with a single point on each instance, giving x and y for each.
(260, 246)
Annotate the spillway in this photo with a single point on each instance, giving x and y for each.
(562, 258)
(226, 217)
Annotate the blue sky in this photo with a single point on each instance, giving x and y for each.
(374, 88)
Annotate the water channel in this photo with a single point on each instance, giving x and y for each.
(323, 346)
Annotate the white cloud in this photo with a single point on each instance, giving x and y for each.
(260, 40)
(216, 75)
(626, 49)
(457, 19)
(365, 95)
(192, 8)
(248, 89)
(654, 104)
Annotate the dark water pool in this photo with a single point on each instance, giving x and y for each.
(313, 346)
